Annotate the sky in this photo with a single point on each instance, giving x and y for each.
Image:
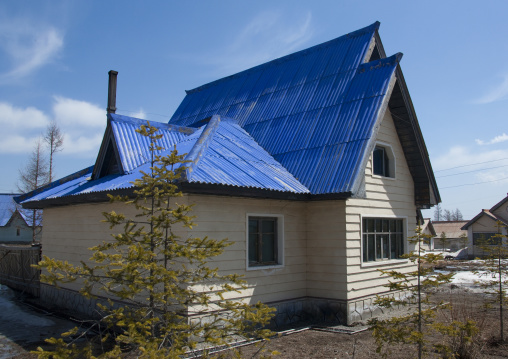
(55, 56)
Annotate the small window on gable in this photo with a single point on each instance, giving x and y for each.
(383, 161)
(110, 165)
(18, 232)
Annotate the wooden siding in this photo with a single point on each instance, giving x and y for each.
(335, 268)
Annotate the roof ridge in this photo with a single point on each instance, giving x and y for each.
(371, 28)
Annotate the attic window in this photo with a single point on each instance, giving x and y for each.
(383, 161)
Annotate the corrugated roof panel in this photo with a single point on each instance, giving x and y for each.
(319, 66)
(321, 133)
(234, 110)
(321, 93)
(303, 72)
(273, 104)
(341, 131)
(329, 165)
(258, 109)
(337, 56)
(286, 106)
(356, 52)
(245, 111)
(273, 75)
(250, 80)
(302, 135)
(288, 68)
(235, 84)
(275, 134)
(287, 134)
(339, 88)
(305, 97)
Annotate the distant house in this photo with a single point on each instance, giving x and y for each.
(454, 235)
(485, 225)
(313, 164)
(15, 222)
(428, 230)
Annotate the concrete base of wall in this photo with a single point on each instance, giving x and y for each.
(288, 312)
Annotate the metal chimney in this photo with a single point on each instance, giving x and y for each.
(112, 91)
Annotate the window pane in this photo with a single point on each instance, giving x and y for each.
(386, 248)
(379, 246)
(393, 225)
(378, 161)
(253, 247)
(268, 225)
(370, 225)
(386, 227)
(365, 248)
(399, 225)
(268, 250)
(253, 226)
(379, 227)
(371, 247)
(393, 246)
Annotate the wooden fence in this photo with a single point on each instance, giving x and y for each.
(16, 269)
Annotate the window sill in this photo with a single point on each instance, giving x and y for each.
(383, 177)
(263, 267)
(383, 263)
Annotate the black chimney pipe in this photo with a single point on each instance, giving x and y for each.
(112, 91)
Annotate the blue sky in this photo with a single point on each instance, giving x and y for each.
(55, 55)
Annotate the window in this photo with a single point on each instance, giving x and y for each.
(264, 241)
(383, 161)
(383, 239)
(18, 232)
(480, 239)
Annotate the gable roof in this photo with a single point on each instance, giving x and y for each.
(8, 209)
(487, 213)
(453, 229)
(317, 112)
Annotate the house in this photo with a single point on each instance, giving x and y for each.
(428, 230)
(453, 234)
(316, 157)
(15, 222)
(486, 224)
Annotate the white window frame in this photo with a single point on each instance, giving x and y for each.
(280, 241)
(405, 242)
(392, 161)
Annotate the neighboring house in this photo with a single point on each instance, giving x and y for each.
(454, 235)
(316, 157)
(485, 225)
(15, 222)
(428, 230)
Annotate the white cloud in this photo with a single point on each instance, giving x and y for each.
(29, 47)
(269, 35)
(497, 139)
(21, 118)
(500, 92)
(82, 123)
(462, 156)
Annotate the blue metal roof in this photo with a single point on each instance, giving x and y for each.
(303, 123)
(220, 152)
(314, 111)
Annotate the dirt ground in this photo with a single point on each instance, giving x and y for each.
(326, 343)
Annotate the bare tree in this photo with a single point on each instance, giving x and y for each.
(438, 213)
(457, 215)
(448, 215)
(31, 177)
(54, 140)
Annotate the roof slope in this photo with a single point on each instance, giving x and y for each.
(315, 111)
(220, 152)
(453, 229)
(8, 209)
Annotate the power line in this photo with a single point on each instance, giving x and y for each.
(472, 184)
(472, 164)
(461, 173)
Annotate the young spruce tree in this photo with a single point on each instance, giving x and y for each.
(414, 288)
(164, 278)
